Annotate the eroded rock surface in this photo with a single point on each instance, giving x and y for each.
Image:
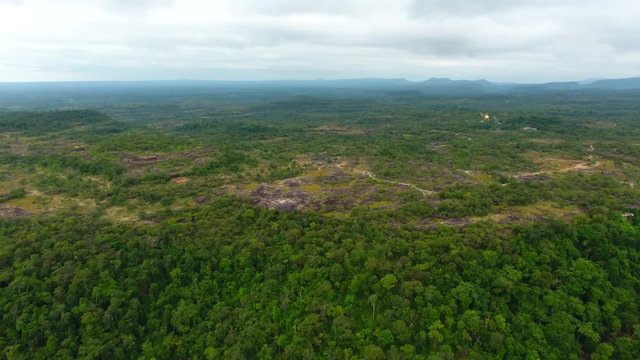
(13, 212)
(277, 199)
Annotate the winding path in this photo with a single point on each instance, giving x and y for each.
(374, 177)
(577, 167)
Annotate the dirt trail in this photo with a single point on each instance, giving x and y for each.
(374, 177)
(577, 167)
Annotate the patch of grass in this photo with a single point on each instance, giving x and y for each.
(536, 211)
(311, 188)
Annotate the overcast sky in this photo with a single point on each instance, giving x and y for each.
(500, 40)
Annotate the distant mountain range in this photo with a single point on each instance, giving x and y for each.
(435, 86)
(440, 85)
(466, 87)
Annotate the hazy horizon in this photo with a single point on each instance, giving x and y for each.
(536, 41)
(390, 79)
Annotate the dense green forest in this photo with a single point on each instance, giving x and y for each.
(270, 225)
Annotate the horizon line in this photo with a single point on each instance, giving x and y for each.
(311, 80)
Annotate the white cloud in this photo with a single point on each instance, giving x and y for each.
(536, 40)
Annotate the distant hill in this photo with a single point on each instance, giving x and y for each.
(617, 84)
(444, 85)
(12, 95)
(470, 87)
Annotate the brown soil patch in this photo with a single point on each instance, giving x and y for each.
(140, 160)
(547, 141)
(337, 129)
(180, 180)
(534, 177)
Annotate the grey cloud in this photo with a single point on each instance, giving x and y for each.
(465, 7)
(494, 39)
(287, 7)
(127, 7)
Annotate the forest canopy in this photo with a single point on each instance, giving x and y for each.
(261, 224)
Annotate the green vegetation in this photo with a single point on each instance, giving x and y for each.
(272, 226)
(13, 194)
(230, 280)
(47, 122)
